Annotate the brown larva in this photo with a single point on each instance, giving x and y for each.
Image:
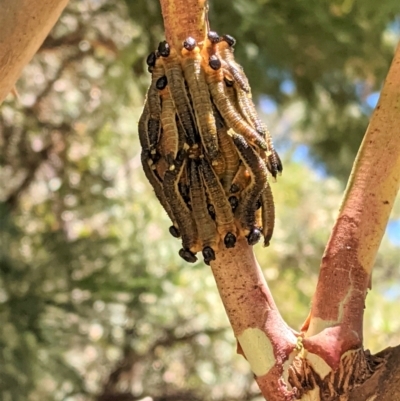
(240, 180)
(229, 113)
(143, 128)
(245, 212)
(179, 207)
(194, 75)
(268, 214)
(225, 50)
(170, 141)
(222, 209)
(205, 225)
(155, 181)
(154, 104)
(177, 88)
(231, 159)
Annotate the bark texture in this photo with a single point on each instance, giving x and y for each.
(24, 24)
(183, 18)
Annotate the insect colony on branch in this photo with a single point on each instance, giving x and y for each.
(205, 151)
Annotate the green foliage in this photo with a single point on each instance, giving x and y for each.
(94, 301)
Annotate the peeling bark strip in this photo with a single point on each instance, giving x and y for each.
(24, 24)
(355, 239)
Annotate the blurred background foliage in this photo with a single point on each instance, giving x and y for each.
(95, 303)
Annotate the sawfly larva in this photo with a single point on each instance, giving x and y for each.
(223, 211)
(229, 113)
(151, 175)
(245, 212)
(169, 142)
(246, 106)
(268, 214)
(225, 50)
(205, 225)
(143, 128)
(241, 179)
(177, 88)
(231, 158)
(272, 160)
(182, 213)
(200, 95)
(153, 98)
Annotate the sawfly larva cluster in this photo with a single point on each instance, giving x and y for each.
(205, 151)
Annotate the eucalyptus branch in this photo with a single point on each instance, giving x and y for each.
(23, 27)
(350, 253)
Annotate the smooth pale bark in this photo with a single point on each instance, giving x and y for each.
(24, 24)
(338, 304)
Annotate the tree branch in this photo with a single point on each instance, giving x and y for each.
(183, 18)
(263, 337)
(24, 24)
(350, 254)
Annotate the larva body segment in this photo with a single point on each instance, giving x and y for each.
(249, 111)
(231, 158)
(205, 225)
(229, 113)
(161, 166)
(177, 88)
(178, 206)
(268, 214)
(222, 208)
(151, 175)
(143, 128)
(169, 141)
(194, 75)
(245, 212)
(240, 180)
(225, 51)
(272, 160)
(154, 105)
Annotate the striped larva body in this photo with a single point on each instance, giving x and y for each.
(149, 130)
(229, 113)
(154, 105)
(161, 166)
(241, 180)
(176, 83)
(169, 141)
(143, 128)
(245, 212)
(231, 158)
(246, 106)
(268, 214)
(222, 209)
(218, 164)
(272, 160)
(178, 206)
(225, 51)
(194, 76)
(205, 225)
(155, 181)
